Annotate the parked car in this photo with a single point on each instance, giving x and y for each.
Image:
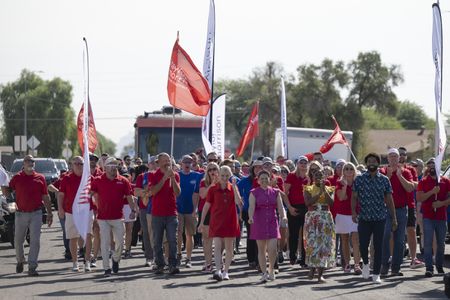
(61, 164)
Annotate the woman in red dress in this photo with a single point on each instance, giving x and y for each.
(222, 199)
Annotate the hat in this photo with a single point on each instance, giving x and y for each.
(93, 156)
(340, 161)
(276, 168)
(302, 157)
(267, 160)
(152, 159)
(417, 161)
(258, 162)
(111, 161)
(186, 159)
(431, 160)
(237, 164)
(393, 150)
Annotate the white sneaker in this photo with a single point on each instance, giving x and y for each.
(263, 277)
(225, 276)
(366, 271)
(87, 266)
(376, 279)
(75, 267)
(271, 277)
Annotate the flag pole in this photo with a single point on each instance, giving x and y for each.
(173, 130)
(212, 75)
(353, 155)
(253, 147)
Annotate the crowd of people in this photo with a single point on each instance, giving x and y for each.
(314, 213)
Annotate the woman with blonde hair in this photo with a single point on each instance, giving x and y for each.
(345, 227)
(211, 179)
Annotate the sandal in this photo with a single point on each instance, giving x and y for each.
(358, 270)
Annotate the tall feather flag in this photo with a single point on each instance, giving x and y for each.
(208, 72)
(81, 204)
(92, 132)
(284, 141)
(251, 131)
(187, 89)
(437, 46)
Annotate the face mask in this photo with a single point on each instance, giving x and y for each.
(433, 172)
(372, 168)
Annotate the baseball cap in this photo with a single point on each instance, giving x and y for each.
(302, 157)
(431, 160)
(267, 160)
(186, 159)
(417, 161)
(393, 150)
(93, 156)
(111, 161)
(152, 159)
(257, 162)
(340, 161)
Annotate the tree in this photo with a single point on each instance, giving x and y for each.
(412, 116)
(49, 115)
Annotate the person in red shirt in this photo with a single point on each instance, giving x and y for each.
(223, 226)
(344, 223)
(31, 191)
(109, 191)
(164, 186)
(294, 184)
(435, 199)
(401, 182)
(67, 192)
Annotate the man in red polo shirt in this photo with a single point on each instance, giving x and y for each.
(66, 196)
(164, 186)
(109, 190)
(435, 199)
(402, 183)
(31, 191)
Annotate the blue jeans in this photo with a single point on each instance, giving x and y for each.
(430, 227)
(365, 230)
(169, 225)
(399, 240)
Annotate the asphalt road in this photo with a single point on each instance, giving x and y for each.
(56, 280)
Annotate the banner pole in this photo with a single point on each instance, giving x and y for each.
(253, 147)
(353, 155)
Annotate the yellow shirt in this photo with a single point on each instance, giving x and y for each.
(314, 190)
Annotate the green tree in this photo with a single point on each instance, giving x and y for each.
(412, 116)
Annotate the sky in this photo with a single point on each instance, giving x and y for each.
(130, 44)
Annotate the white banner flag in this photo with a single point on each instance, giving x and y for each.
(440, 134)
(218, 137)
(81, 204)
(284, 142)
(208, 72)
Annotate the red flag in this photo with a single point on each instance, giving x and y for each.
(92, 133)
(187, 89)
(251, 131)
(337, 137)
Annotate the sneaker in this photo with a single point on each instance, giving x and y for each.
(174, 270)
(218, 276)
(376, 279)
(416, 263)
(93, 263)
(357, 270)
(107, 273)
(67, 255)
(148, 263)
(32, 272)
(396, 273)
(179, 257)
(440, 270)
(280, 257)
(87, 267)
(207, 269)
(115, 266)
(429, 274)
(188, 264)
(347, 269)
(271, 277)
(366, 271)
(159, 270)
(19, 267)
(127, 254)
(263, 278)
(225, 276)
(384, 270)
(75, 267)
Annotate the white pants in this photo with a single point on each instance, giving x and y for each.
(118, 229)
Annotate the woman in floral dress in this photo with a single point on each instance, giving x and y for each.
(319, 227)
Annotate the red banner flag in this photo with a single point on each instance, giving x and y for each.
(92, 132)
(251, 131)
(187, 89)
(337, 137)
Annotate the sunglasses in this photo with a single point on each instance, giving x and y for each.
(348, 169)
(213, 169)
(212, 160)
(29, 160)
(78, 163)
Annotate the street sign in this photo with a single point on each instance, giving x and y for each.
(67, 153)
(20, 143)
(33, 142)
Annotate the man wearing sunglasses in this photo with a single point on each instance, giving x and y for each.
(31, 192)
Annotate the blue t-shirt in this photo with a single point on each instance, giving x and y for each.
(371, 192)
(189, 184)
(145, 183)
(244, 186)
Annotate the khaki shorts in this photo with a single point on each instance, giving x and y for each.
(188, 223)
(71, 229)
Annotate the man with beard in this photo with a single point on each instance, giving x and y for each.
(402, 186)
(373, 192)
(435, 199)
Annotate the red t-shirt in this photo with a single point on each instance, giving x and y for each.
(399, 194)
(295, 195)
(201, 201)
(111, 194)
(164, 203)
(29, 190)
(411, 200)
(278, 179)
(69, 186)
(224, 221)
(140, 184)
(97, 172)
(333, 179)
(428, 183)
(343, 207)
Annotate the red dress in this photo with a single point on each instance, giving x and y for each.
(224, 220)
